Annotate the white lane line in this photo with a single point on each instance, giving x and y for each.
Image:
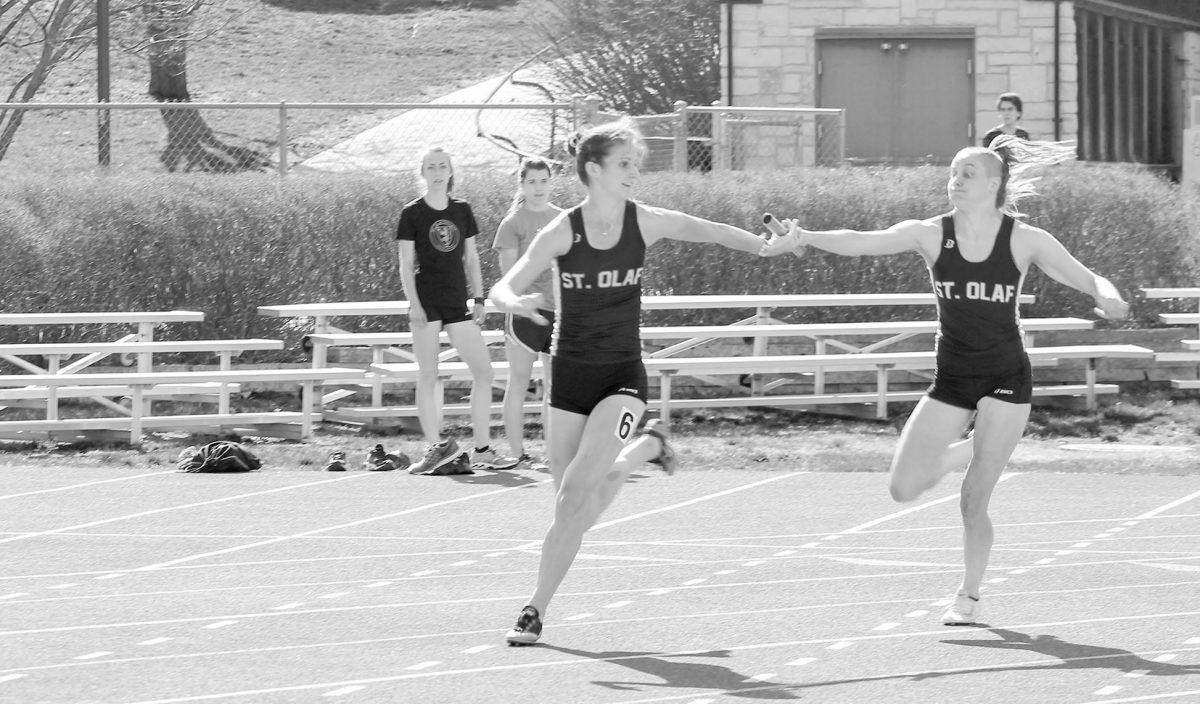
(698, 499)
(799, 662)
(13, 595)
(1082, 545)
(93, 656)
(702, 701)
(178, 507)
(68, 585)
(423, 573)
(477, 649)
(592, 595)
(496, 554)
(1166, 657)
(724, 572)
(376, 585)
(1137, 673)
(840, 645)
(916, 614)
(764, 677)
(155, 641)
(1021, 570)
(424, 665)
(1148, 697)
(579, 617)
(913, 509)
(77, 486)
(14, 676)
(342, 691)
(617, 604)
(290, 605)
(340, 526)
(333, 595)
(462, 563)
(811, 545)
(1192, 641)
(885, 626)
(753, 563)
(831, 537)
(997, 580)
(1105, 691)
(1044, 561)
(112, 575)
(784, 553)
(1128, 524)
(693, 582)
(220, 624)
(580, 661)
(1115, 530)
(1167, 507)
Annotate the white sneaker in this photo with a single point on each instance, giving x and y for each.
(965, 611)
(490, 459)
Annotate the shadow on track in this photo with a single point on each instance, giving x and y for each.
(676, 672)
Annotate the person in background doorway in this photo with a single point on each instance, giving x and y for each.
(1011, 108)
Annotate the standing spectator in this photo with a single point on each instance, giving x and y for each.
(1011, 108)
(526, 340)
(438, 266)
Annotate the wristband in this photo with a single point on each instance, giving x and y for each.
(480, 300)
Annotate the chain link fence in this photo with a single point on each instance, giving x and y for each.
(56, 138)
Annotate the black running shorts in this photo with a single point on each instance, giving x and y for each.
(1013, 386)
(578, 387)
(448, 315)
(528, 334)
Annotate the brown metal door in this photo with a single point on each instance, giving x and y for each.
(907, 100)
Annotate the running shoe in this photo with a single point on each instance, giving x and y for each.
(459, 465)
(337, 462)
(490, 459)
(534, 463)
(378, 460)
(528, 628)
(667, 458)
(965, 611)
(436, 455)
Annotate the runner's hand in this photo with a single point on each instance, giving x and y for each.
(1111, 308)
(781, 244)
(528, 305)
(479, 312)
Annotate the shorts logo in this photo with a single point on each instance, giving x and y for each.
(626, 422)
(948, 244)
(1003, 392)
(444, 236)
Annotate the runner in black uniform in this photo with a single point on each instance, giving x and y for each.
(598, 390)
(977, 257)
(526, 340)
(439, 268)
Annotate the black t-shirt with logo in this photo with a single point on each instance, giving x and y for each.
(439, 237)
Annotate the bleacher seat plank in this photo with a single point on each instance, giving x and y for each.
(133, 346)
(171, 316)
(1185, 383)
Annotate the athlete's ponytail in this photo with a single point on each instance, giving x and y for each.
(1020, 162)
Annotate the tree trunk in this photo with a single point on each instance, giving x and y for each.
(191, 143)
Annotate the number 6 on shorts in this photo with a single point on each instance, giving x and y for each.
(626, 423)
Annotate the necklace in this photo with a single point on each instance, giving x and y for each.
(608, 224)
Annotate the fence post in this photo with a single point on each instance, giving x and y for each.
(721, 147)
(680, 153)
(283, 140)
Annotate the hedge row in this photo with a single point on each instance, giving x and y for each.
(225, 245)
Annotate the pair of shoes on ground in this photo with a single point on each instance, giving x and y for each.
(378, 460)
(445, 457)
(533, 463)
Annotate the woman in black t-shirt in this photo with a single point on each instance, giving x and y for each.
(439, 268)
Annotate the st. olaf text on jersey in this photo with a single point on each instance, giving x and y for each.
(613, 278)
(975, 291)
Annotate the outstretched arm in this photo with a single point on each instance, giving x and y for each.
(910, 235)
(1054, 259)
(507, 295)
(659, 223)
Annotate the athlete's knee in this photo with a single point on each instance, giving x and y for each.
(904, 491)
(973, 504)
(572, 500)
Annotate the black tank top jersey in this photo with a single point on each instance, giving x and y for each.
(979, 326)
(600, 295)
